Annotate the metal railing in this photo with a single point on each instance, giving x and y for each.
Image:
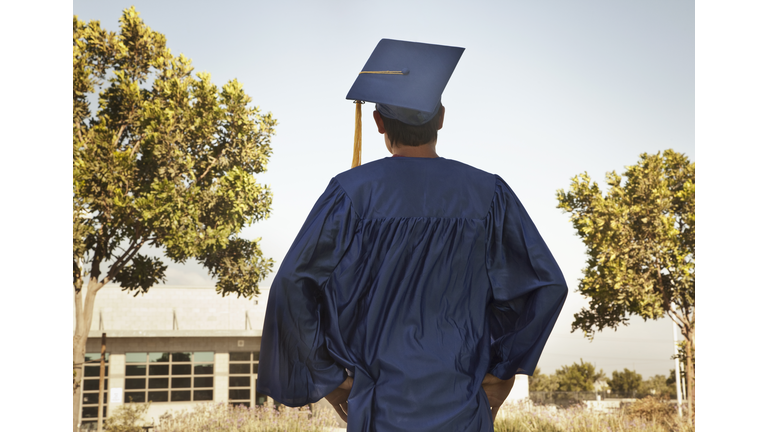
(565, 399)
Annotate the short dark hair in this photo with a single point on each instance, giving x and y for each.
(400, 133)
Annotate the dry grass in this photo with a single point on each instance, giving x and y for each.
(225, 418)
(646, 415)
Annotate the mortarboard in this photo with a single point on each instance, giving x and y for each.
(405, 80)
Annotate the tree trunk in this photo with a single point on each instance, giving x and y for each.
(690, 373)
(84, 301)
(77, 387)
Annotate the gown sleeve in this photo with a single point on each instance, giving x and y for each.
(528, 287)
(295, 367)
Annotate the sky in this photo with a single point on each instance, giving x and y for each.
(561, 105)
(544, 91)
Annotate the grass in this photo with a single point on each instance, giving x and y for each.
(226, 418)
(646, 415)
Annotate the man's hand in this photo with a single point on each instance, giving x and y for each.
(497, 391)
(338, 398)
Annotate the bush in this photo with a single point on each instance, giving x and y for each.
(227, 418)
(127, 418)
(652, 409)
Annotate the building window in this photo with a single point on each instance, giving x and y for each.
(90, 383)
(243, 371)
(169, 377)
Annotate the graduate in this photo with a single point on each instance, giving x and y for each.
(418, 286)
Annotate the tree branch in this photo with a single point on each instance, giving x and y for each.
(138, 141)
(119, 135)
(693, 317)
(80, 135)
(122, 261)
(223, 152)
(672, 315)
(208, 169)
(133, 150)
(98, 254)
(664, 291)
(78, 280)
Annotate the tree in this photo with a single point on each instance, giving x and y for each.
(625, 382)
(578, 377)
(640, 239)
(540, 382)
(657, 386)
(670, 381)
(166, 161)
(682, 355)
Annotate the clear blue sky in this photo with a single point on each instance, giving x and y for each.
(544, 91)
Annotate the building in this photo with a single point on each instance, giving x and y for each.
(177, 347)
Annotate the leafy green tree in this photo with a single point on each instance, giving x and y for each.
(167, 160)
(640, 239)
(657, 386)
(683, 353)
(625, 382)
(670, 381)
(578, 377)
(542, 382)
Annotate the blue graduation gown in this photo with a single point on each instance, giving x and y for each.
(417, 277)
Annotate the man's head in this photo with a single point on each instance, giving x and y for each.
(402, 134)
(406, 81)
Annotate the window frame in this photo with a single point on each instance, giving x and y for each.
(174, 372)
(252, 377)
(91, 362)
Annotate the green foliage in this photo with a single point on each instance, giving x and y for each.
(626, 381)
(540, 382)
(683, 357)
(671, 379)
(640, 239)
(578, 377)
(127, 418)
(657, 386)
(167, 159)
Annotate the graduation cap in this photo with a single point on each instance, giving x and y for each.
(405, 80)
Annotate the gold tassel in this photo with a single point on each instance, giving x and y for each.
(357, 152)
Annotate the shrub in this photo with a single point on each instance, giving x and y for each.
(127, 418)
(652, 409)
(526, 417)
(227, 418)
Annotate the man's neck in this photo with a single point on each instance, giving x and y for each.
(423, 151)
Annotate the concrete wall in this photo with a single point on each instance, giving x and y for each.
(122, 345)
(519, 390)
(195, 309)
(116, 381)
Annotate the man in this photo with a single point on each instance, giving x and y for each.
(418, 286)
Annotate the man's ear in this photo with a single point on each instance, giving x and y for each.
(379, 122)
(442, 117)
